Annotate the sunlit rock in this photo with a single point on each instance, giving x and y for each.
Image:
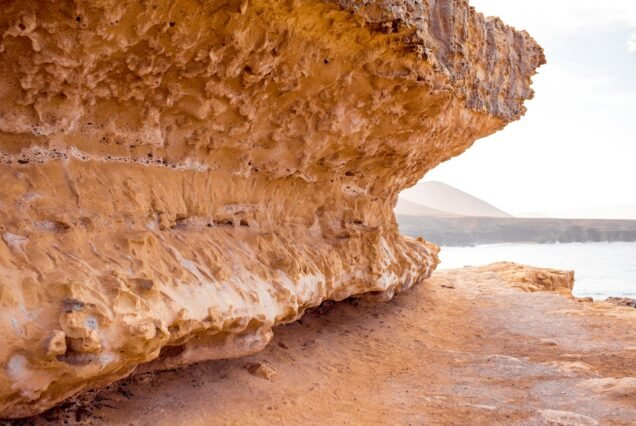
(180, 176)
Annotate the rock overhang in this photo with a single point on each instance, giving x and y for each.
(178, 177)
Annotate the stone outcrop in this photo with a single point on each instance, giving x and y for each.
(531, 279)
(177, 177)
(622, 301)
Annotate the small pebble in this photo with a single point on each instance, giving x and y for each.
(261, 370)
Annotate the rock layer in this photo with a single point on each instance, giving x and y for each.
(178, 177)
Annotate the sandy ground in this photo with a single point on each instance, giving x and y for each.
(462, 348)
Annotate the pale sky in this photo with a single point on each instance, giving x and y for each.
(574, 153)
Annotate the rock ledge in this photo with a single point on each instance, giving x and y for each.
(180, 176)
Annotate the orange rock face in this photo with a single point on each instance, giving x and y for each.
(177, 177)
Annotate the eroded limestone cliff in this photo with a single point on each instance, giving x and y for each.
(179, 176)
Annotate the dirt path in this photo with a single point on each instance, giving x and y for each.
(463, 348)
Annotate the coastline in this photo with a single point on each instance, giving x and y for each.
(602, 269)
(471, 231)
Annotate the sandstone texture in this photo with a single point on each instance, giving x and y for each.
(177, 177)
(466, 347)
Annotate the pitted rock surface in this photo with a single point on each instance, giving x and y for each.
(180, 176)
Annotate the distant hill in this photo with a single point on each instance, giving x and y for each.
(409, 208)
(449, 217)
(444, 200)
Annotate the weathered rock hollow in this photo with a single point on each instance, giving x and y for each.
(179, 176)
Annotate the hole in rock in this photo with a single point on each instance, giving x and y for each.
(171, 351)
(57, 226)
(72, 357)
(71, 304)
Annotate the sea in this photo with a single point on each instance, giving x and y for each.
(602, 270)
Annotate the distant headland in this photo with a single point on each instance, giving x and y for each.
(449, 217)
